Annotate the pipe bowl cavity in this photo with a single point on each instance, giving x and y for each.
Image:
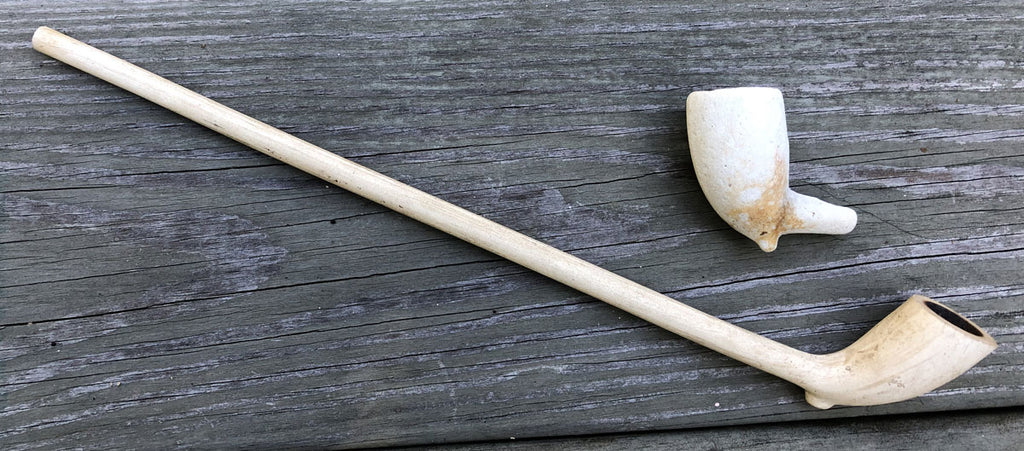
(740, 151)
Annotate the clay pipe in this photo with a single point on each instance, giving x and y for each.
(917, 348)
(740, 152)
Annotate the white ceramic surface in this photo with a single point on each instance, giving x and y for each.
(740, 151)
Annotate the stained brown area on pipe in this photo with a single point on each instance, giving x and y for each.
(766, 214)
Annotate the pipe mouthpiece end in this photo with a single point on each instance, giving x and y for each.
(44, 39)
(38, 36)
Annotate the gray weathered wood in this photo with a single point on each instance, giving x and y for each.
(988, 429)
(161, 285)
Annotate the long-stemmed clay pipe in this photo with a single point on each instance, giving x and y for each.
(917, 348)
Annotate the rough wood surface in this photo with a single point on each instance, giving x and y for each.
(987, 429)
(161, 285)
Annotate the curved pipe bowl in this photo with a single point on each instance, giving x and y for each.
(740, 152)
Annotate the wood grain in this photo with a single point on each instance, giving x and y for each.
(163, 286)
(985, 429)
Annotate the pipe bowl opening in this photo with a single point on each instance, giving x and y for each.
(954, 318)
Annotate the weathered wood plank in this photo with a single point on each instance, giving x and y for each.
(161, 285)
(987, 429)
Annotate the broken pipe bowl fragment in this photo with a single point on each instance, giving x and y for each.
(740, 152)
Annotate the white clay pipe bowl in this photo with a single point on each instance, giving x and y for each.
(740, 151)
